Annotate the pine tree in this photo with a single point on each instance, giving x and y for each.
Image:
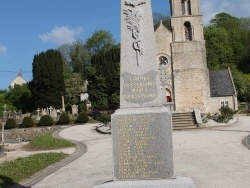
(47, 85)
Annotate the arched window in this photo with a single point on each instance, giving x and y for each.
(186, 7)
(188, 31)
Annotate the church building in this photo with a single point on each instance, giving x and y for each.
(182, 54)
(19, 80)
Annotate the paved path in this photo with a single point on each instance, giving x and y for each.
(211, 157)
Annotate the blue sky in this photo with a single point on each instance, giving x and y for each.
(28, 27)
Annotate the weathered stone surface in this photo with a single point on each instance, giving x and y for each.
(140, 85)
(142, 144)
(178, 182)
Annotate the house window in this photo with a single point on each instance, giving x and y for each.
(224, 103)
(186, 7)
(188, 31)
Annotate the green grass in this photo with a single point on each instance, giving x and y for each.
(15, 171)
(48, 142)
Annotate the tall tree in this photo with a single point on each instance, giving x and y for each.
(238, 33)
(48, 85)
(103, 75)
(100, 42)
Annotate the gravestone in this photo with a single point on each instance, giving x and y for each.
(50, 110)
(38, 114)
(75, 109)
(142, 127)
(54, 114)
(14, 114)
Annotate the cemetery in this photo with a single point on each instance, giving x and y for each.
(174, 123)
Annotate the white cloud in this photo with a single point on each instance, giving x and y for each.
(237, 8)
(61, 35)
(3, 49)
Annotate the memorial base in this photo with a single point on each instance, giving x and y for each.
(178, 182)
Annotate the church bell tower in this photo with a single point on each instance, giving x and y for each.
(189, 65)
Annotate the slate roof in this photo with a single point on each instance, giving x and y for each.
(221, 83)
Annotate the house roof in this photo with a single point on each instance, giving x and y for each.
(221, 83)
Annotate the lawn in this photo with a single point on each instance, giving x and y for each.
(15, 171)
(48, 142)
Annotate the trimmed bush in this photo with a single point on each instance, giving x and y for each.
(227, 113)
(95, 114)
(105, 118)
(46, 120)
(82, 118)
(64, 119)
(10, 124)
(27, 122)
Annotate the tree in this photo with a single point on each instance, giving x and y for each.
(103, 75)
(74, 85)
(218, 48)
(75, 56)
(238, 35)
(100, 42)
(48, 84)
(20, 96)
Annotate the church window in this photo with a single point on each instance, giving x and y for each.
(224, 103)
(188, 31)
(164, 61)
(186, 7)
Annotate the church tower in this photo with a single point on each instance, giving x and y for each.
(189, 65)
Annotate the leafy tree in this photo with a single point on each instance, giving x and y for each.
(100, 42)
(238, 32)
(218, 48)
(75, 56)
(74, 85)
(4, 101)
(48, 84)
(20, 96)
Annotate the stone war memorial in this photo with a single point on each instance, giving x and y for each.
(142, 127)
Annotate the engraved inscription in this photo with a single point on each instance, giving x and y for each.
(140, 88)
(138, 154)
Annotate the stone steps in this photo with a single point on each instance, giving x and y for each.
(183, 121)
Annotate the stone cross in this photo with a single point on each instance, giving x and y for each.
(4, 107)
(164, 76)
(38, 114)
(50, 110)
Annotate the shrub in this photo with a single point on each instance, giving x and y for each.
(10, 124)
(82, 118)
(46, 120)
(64, 119)
(105, 118)
(227, 113)
(95, 114)
(27, 122)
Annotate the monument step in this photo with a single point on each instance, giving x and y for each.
(183, 121)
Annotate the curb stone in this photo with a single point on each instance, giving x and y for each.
(246, 142)
(80, 150)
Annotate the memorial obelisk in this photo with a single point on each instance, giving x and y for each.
(141, 128)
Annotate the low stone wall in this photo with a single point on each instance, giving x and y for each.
(26, 134)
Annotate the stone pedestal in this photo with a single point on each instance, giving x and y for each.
(142, 144)
(178, 182)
